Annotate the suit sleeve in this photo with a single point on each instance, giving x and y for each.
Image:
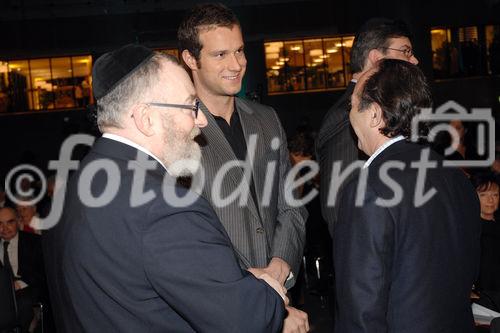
(335, 144)
(191, 264)
(363, 251)
(32, 266)
(290, 231)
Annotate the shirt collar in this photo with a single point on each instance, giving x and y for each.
(126, 141)
(13, 242)
(381, 149)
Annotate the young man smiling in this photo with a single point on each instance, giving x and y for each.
(267, 233)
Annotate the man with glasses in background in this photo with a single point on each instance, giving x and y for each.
(336, 142)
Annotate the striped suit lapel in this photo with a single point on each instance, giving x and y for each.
(218, 143)
(251, 126)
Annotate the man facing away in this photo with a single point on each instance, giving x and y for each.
(406, 243)
(139, 258)
(336, 142)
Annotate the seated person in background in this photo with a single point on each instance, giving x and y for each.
(488, 192)
(21, 254)
(28, 217)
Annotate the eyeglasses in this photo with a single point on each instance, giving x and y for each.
(407, 51)
(194, 108)
(9, 222)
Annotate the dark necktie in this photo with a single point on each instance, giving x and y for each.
(6, 260)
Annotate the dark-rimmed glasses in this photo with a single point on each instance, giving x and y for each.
(407, 51)
(194, 108)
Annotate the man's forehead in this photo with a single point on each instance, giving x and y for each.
(176, 81)
(7, 214)
(217, 35)
(399, 41)
(210, 27)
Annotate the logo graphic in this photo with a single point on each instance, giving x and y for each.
(442, 116)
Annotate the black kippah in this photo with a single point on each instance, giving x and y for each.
(113, 67)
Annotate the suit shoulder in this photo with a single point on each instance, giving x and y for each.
(335, 119)
(176, 199)
(29, 237)
(259, 110)
(255, 105)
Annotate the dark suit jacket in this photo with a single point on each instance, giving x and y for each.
(258, 232)
(407, 268)
(336, 142)
(31, 268)
(7, 304)
(150, 268)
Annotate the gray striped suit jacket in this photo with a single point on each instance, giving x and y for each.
(258, 231)
(336, 142)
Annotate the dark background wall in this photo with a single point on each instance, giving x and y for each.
(37, 28)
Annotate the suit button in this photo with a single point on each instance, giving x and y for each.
(260, 230)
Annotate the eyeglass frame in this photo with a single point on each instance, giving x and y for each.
(408, 52)
(194, 108)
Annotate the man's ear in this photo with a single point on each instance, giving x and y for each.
(376, 116)
(142, 116)
(189, 60)
(374, 56)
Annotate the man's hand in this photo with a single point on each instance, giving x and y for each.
(296, 321)
(17, 285)
(278, 269)
(260, 274)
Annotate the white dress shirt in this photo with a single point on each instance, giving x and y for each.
(132, 144)
(13, 257)
(381, 149)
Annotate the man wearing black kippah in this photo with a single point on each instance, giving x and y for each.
(133, 252)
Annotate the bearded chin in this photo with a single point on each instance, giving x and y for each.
(188, 164)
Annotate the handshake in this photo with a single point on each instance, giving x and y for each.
(275, 275)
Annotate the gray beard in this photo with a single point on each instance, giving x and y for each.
(182, 158)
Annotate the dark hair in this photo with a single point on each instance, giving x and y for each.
(375, 34)
(302, 143)
(204, 16)
(400, 89)
(484, 181)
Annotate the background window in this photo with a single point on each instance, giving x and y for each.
(465, 51)
(315, 64)
(334, 62)
(347, 46)
(41, 85)
(292, 61)
(82, 71)
(62, 83)
(493, 48)
(44, 84)
(19, 86)
(275, 72)
(4, 81)
(308, 64)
